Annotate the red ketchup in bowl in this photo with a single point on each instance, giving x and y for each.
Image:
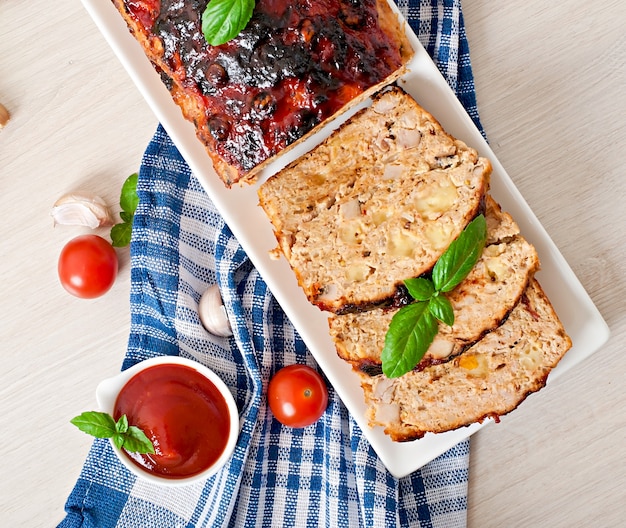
(184, 415)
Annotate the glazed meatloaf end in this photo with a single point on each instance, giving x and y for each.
(295, 66)
(488, 380)
(480, 303)
(376, 203)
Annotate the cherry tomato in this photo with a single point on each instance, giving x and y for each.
(88, 266)
(297, 395)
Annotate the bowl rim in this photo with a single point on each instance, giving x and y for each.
(106, 396)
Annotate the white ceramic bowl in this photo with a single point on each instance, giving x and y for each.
(106, 396)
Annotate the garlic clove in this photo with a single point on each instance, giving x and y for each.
(81, 209)
(5, 117)
(213, 314)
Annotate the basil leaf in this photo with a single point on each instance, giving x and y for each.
(414, 327)
(121, 234)
(129, 200)
(118, 440)
(122, 424)
(98, 424)
(440, 307)
(135, 441)
(410, 333)
(222, 20)
(102, 425)
(128, 197)
(126, 217)
(461, 256)
(420, 289)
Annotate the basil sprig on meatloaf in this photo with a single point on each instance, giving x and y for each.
(414, 327)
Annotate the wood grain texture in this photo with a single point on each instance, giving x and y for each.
(551, 84)
(77, 122)
(551, 87)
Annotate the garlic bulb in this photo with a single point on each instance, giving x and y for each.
(213, 314)
(81, 209)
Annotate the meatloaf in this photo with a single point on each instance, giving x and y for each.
(488, 380)
(294, 66)
(375, 204)
(480, 302)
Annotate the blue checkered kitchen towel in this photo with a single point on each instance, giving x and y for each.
(323, 475)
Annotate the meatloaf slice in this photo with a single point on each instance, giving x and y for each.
(489, 379)
(480, 303)
(376, 203)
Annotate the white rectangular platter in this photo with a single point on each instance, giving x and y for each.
(239, 208)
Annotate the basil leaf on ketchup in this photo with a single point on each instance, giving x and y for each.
(102, 425)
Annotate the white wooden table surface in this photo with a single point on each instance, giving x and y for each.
(551, 84)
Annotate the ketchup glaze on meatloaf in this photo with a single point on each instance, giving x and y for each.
(295, 64)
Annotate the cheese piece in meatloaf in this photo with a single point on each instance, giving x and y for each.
(376, 203)
(294, 67)
(488, 380)
(480, 303)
